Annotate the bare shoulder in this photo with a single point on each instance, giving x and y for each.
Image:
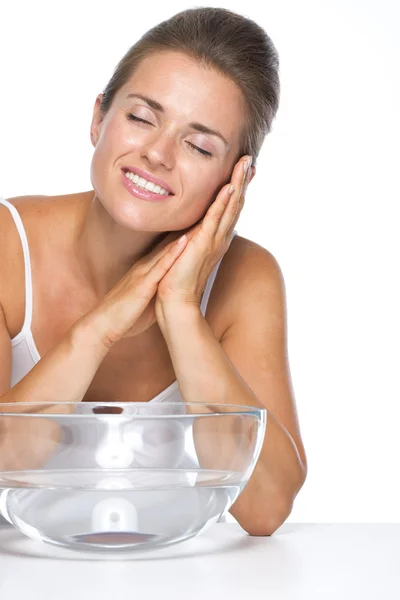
(33, 211)
(250, 268)
(244, 253)
(34, 207)
(37, 214)
(9, 239)
(247, 270)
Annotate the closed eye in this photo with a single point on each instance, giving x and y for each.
(203, 152)
(206, 154)
(134, 118)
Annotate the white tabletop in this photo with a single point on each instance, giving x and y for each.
(299, 561)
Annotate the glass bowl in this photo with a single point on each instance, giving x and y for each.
(123, 476)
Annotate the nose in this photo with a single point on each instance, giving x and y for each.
(159, 149)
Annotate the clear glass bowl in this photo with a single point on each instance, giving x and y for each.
(124, 477)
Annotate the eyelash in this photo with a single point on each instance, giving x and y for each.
(206, 154)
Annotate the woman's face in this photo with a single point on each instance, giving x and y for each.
(166, 145)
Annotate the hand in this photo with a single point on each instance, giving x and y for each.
(129, 307)
(207, 243)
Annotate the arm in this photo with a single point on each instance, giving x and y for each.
(62, 375)
(248, 367)
(66, 371)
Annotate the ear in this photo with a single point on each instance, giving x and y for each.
(97, 119)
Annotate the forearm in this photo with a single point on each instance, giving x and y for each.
(62, 375)
(205, 374)
(65, 372)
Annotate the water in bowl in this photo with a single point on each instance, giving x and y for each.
(116, 509)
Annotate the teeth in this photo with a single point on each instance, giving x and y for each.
(146, 185)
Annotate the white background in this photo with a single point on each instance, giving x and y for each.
(323, 202)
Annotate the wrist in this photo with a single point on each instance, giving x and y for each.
(91, 332)
(177, 312)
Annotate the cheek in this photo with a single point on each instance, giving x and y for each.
(101, 164)
(198, 200)
(113, 143)
(116, 138)
(204, 187)
(97, 164)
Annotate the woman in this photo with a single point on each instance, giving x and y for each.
(186, 107)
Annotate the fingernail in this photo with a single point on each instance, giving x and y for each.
(249, 161)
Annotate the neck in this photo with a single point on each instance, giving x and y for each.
(106, 250)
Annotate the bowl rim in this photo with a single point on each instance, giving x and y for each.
(237, 409)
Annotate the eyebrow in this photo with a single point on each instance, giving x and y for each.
(197, 126)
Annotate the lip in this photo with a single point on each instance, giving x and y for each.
(141, 193)
(148, 176)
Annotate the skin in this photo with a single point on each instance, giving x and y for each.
(130, 226)
(97, 235)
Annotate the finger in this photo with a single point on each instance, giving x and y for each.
(167, 259)
(160, 249)
(242, 194)
(221, 212)
(245, 179)
(236, 202)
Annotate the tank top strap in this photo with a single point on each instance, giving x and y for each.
(27, 263)
(210, 281)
